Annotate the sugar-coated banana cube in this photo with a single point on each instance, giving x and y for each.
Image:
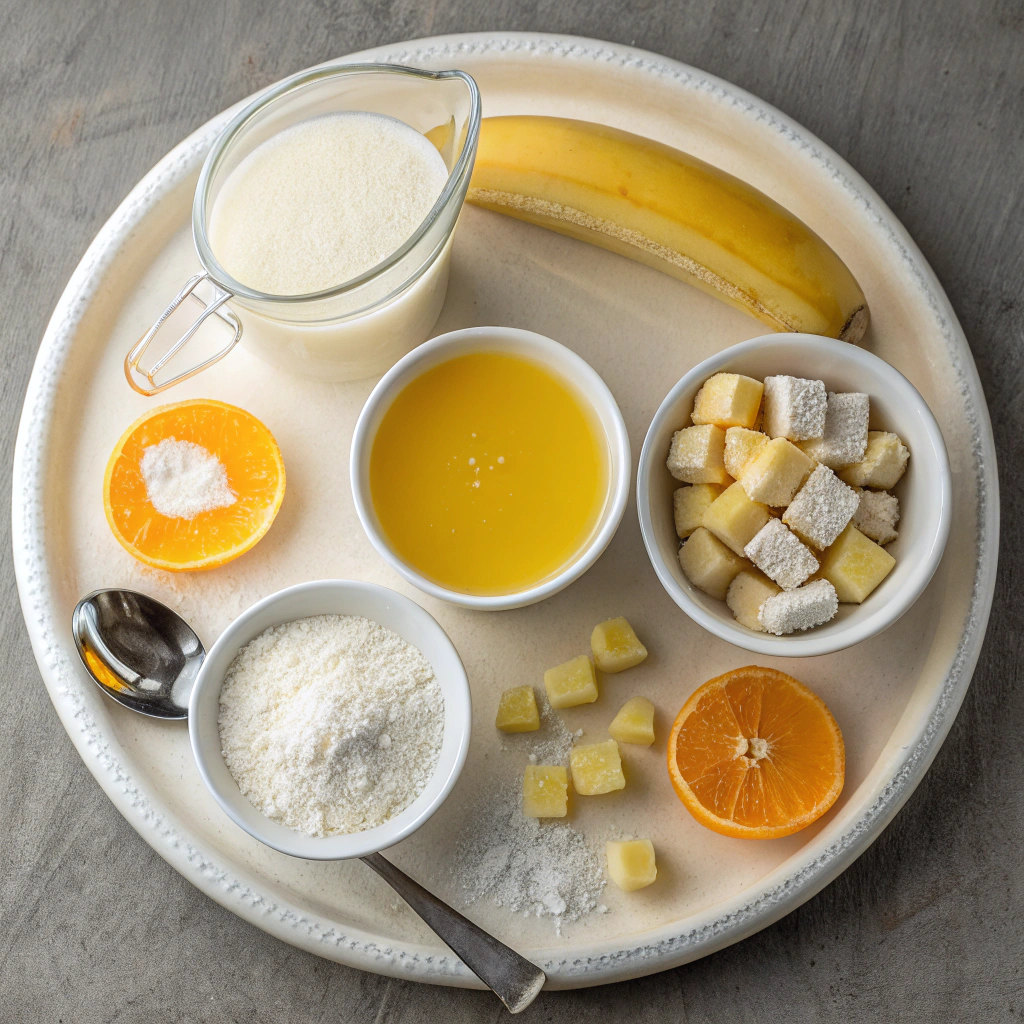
(631, 863)
(746, 594)
(821, 508)
(708, 564)
(571, 683)
(855, 565)
(697, 455)
(615, 646)
(775, 474)
(596, 768)
(794, 407)
(846, 431)
(634, 723)
(545, 791)
(877, 515)
(517, 710)
(791, 611)
(689, 505)
(734, 519)
(741, 445)
(884, 462)
(781, 555)
(728, 400)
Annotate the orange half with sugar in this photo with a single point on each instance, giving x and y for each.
(755, 754)
(193, 485)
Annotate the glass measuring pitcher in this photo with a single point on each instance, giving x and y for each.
(357, 328)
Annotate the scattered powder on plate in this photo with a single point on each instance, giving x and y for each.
(331, 724)
(184, 479)
(531, 867)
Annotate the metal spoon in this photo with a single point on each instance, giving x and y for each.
(147, 657)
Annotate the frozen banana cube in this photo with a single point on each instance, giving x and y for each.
(821, 508)
(781, 555)
(741, 445)
(689, 505)
(775, 474)
(855, 565)
(631, 863)
(790, 611)
(634, 723)
(545, 791)
(596, 768)
(745, 596)
(697, 455)
(845, 439)
(734, 519)
(794, 407)
(728, 400)
(571, 683)
(877, 515)
(884, 462)
(708, 564)
(615, 646)
(517, 710)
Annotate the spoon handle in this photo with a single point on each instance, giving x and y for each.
(512, 978)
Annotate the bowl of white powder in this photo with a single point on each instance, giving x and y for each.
(331, 719)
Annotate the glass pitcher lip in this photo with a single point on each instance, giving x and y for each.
(459, 174)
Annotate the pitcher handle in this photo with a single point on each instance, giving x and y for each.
(139, 376)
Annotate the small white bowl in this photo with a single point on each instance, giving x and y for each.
(332, 597)
(925, 492)
(536, 347)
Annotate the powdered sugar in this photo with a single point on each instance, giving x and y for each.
(183, 479)
(529, 867)
(331, 724)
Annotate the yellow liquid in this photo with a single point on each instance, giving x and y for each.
(488, 474)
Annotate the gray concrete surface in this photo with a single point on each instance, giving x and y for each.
(926, 99)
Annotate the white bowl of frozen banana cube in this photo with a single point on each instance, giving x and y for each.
(795, 556)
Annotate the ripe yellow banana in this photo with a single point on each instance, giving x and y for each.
(668, 209)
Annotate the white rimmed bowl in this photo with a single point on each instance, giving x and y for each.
(562, 361)
(332, 597)
(925, 492)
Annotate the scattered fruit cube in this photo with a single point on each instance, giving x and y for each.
(596, 768)
(821, 508)
(855, 565)
(571, 683)
(631, 863)
(728, 400)
(794, 407)
(791, 610)
(689, 505)
(884, 462)
(745, 596)
(775, 474)
(545, 791)
(877, 515)
(708, 564)
(615, 646)
(697, 455)
(741, 445)
(781, 555)
(517, 710)
(634, 723)
(845, 439)
(734, 519)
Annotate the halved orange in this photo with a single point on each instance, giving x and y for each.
(756, 755)
(255, 476)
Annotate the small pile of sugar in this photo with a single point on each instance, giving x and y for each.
(527, 866)
(331, 724)
(531, 867)
(183, 479)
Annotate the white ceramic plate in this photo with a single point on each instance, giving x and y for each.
(894, 696)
